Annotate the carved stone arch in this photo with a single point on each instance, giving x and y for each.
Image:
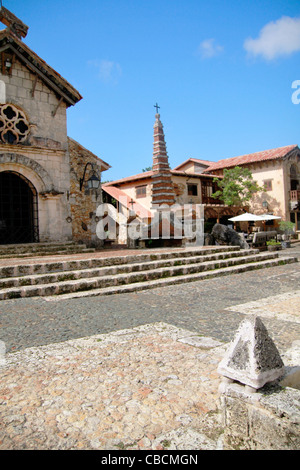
(16, 159)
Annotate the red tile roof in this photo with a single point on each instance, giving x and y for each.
(125, 200)
(271, 154)
(128, 179)
(194, 160)
(191, 175)
(148, 175)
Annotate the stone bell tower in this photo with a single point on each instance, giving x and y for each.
(162, 188)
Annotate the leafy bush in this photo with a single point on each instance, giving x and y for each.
(286, 226)
(273, 243)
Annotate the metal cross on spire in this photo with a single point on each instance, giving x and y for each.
(157, 108)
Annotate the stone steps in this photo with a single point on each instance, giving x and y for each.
(84, 272)
(130, 273)
(42, 249)
(42, 267)
(138, 286)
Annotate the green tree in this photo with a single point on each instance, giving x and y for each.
(236, 187)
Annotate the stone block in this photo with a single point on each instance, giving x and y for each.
(27, 84)
(44, 97)
(265, 430)
(236, 416)
(22, 93)
(21, 73)
(267, 420)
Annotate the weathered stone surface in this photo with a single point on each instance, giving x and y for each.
(83, 203)
(252, 357)
(266, 420)
(16, 26)
(103, 277)
(127, 390)
(224, 235)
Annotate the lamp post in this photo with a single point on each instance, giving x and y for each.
(93, 182)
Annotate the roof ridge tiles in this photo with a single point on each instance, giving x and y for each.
(263, 155)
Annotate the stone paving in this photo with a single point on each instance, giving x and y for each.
(126, 390)
(132, 371)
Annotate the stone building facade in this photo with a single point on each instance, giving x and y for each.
(40, 167)
(278, 170)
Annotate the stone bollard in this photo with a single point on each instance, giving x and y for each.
(252, 358)
(258, 413)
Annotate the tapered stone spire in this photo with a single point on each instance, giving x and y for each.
(162, 188)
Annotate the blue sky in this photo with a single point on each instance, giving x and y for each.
(221, 72)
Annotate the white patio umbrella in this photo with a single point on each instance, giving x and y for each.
(247, 217)
(270, 217)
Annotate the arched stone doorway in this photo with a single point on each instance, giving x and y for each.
(18, 209)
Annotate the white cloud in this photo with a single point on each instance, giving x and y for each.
(277, 38)
(108, 71)
(208, 48)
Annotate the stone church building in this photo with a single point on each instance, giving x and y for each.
(43, 172)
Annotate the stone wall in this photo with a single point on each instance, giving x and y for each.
(46, 142)
(51, 161)
(83, 203)
(43, 156)
(39, 103)
(266, 420)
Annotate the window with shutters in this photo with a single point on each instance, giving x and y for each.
(141, 191)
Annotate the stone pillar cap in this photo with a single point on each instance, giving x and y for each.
(15, 25)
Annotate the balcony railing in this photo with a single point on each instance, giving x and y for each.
(295, 195)
(211, 200)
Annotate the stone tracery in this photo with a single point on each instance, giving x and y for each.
(14, 126)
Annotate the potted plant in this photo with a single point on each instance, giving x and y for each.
(288, 228)
(273, 245)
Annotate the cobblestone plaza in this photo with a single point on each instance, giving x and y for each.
(135, 370)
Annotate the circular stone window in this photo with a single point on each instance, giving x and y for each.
(14, 126)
